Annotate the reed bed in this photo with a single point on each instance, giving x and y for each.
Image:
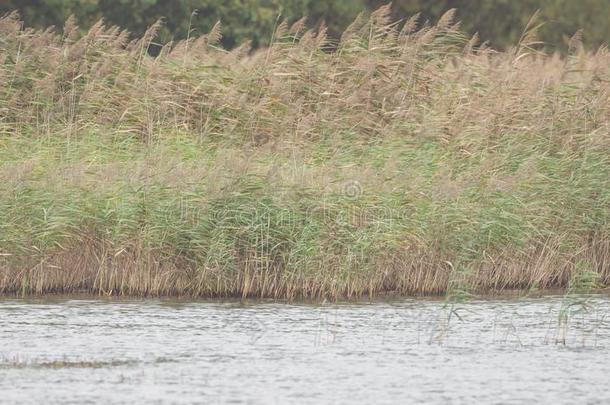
(403, 158)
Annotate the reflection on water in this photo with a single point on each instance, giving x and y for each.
(495, 351)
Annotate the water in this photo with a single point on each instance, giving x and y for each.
(501, 351)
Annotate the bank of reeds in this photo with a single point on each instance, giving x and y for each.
(405, 157)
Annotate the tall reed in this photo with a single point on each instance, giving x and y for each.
(403, 158)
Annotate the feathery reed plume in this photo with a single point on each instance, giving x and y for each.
(446, 20)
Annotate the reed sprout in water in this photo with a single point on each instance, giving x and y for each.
(577, 299)
(312, 168)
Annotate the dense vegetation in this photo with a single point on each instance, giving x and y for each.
(411, 159)
(499, 21)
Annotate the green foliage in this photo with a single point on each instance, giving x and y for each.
(499, 21)
(242, 20)
(502, 21)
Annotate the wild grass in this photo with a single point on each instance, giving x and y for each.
(403, 158)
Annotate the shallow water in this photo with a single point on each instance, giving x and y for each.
(500, 351)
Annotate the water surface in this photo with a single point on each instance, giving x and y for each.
(490, 351)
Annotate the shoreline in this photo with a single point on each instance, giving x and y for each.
(386, 297)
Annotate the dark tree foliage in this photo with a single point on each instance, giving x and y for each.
(502, 21)
(499, 21)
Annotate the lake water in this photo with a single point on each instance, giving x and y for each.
(396, 352)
